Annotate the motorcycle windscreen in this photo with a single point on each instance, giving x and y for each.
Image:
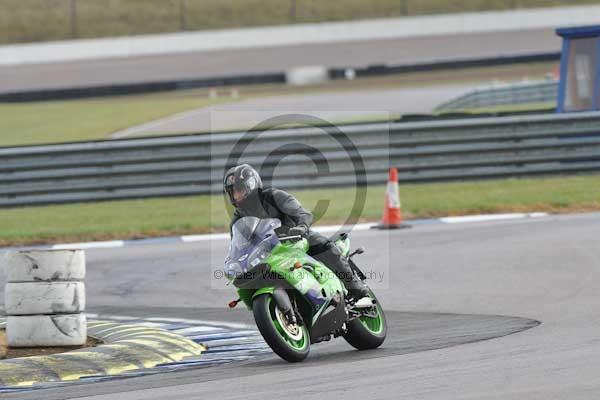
(252, 241)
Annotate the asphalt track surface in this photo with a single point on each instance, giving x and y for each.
(274, 59)
(443, 285)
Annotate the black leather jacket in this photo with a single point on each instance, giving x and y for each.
(274, 203)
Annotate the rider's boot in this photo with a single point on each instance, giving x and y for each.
(333, 258)
(357, 291)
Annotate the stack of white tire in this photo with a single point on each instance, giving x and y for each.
(45, 298)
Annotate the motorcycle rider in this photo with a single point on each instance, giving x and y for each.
(244, 188)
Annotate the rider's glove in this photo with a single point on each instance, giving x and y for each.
(300, 230)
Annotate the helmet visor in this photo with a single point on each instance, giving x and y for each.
(238, 190)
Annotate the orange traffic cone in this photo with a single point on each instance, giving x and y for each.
(392, 215)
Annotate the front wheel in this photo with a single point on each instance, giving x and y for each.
(290, 342)
(368, 331)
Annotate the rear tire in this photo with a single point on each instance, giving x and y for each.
(367, 333)
(283, 343)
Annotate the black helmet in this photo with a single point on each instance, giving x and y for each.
(241, 181)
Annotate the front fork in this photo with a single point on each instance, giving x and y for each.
(283, 302)
(282, 299)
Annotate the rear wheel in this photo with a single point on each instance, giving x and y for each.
(289, 341)
(368, 331)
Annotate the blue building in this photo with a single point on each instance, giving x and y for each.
(579, 88)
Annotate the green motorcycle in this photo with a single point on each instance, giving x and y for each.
(296, 300)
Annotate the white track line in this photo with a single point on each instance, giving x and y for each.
(320, 229)
(202, 238)
(490, 217)
(158, 122)
(200, 322)
(90, 245)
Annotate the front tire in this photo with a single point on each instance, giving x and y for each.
(365, 333)
(290, 344)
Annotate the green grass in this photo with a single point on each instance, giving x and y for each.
(506, 108)
(77, 120)
(64, 121)
(171, 216)
(41, 20)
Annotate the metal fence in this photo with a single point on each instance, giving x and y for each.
(303, 158)
(521, 93)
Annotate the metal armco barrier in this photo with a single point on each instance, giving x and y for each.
(194, 164)
(520, 93)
